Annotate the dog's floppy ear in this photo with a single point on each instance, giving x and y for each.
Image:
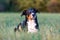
(23, 13)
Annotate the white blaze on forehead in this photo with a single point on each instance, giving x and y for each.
(31, 16)
(32, 13)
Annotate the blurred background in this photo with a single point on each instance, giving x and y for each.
(49, 24)
(20, 5)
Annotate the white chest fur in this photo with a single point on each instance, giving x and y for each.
(31, 26)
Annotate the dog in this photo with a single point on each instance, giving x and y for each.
(30, 22)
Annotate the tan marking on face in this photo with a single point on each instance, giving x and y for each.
(29, 17)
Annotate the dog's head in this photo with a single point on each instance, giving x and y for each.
(30, 13)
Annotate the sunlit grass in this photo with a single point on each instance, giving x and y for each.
(49, 25)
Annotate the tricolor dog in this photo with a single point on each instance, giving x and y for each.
(30, 22)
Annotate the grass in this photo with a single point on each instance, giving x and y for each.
(49, 25)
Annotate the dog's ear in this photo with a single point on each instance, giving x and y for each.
(35, 10)
(23, 13)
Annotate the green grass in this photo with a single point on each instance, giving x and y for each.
(49, 25)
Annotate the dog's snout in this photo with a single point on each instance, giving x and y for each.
(30, 17)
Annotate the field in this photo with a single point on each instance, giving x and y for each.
(49, 25)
